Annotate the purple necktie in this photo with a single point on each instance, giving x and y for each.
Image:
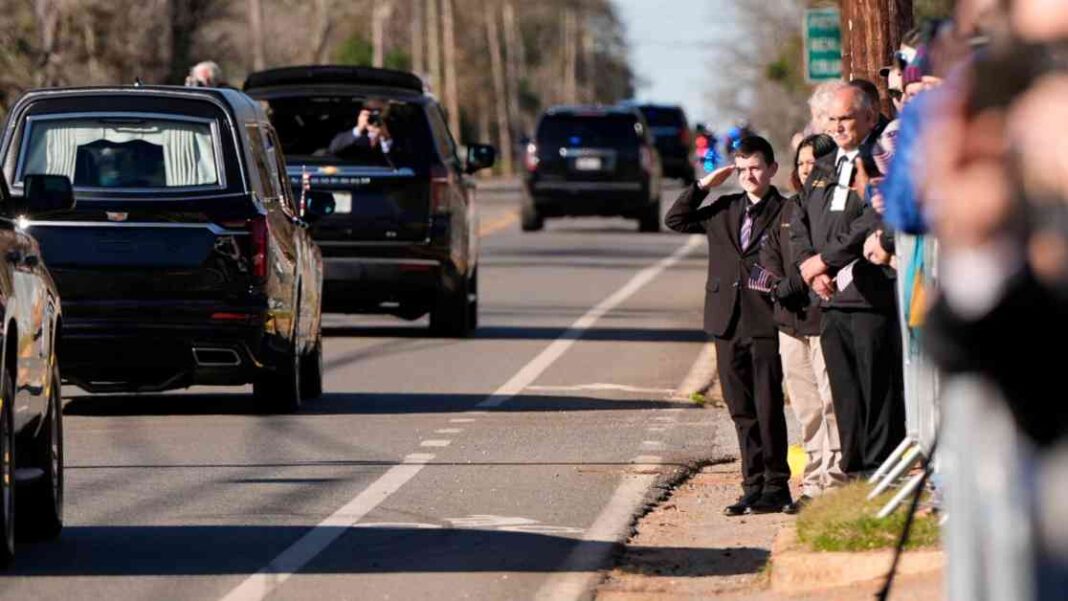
(747, 228)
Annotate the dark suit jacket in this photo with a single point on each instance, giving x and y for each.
(797, 310)
(347, 141)
(731, 308)
(838, 237)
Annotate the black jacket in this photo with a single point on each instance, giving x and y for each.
(797, 310)
(731, 308)
(838, 237)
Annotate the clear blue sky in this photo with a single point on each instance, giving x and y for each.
(672, 49)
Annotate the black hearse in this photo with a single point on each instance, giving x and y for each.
(31, 406)
(187, 258)
(404, 237)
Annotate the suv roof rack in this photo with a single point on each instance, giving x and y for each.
(336, 74)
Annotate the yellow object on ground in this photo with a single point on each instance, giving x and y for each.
(797, 458)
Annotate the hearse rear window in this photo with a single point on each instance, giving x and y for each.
(117, 151)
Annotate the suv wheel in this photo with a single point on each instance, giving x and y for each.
(472, 302)
(42, 514)
(311, 379)
(650, 219)
(7, 469)
(451, 314)
(279, 391)
(532, 220)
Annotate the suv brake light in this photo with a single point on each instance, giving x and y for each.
(257, 237)
(646, 156)
(532, 157)
(440, 180)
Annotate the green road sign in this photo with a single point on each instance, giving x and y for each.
(823, 44)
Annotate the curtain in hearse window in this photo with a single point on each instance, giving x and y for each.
(119, 151)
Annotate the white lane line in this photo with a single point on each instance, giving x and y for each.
(530, 372)
(448, 431)
(701, 374)
(656, 444)
(600, 387)
(656, 429)
(435, 443)
(461, 420)
(297, 555)
(579, 572)
(664, 419)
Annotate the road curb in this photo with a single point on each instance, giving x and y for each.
(795, 569)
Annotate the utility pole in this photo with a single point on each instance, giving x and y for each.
(569, 28)
(504, 132)
(871, 32)
(452, 105)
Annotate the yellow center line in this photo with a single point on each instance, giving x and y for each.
(498, 224)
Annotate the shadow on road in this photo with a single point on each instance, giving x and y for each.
(526, 333)
(207, 550)
(345, 404)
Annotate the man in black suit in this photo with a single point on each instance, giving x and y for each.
(740, 319)
(369, 139)
(860, 336)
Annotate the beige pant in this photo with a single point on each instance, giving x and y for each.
(809, 388)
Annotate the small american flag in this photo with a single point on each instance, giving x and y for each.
(761, 279)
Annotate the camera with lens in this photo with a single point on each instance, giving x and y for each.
(375, 118)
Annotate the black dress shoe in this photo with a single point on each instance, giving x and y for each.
(797, 505)
(741, 507)
(772, 503)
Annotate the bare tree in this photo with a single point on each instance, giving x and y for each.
(379, 15)
(504, 137)
(570, 33)
(255, 27)
(417, 38)
(433, 48)
(452, 106)
(513, 48)
(47, 15)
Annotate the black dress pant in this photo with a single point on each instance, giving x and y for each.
(750, 373)
(862, 350)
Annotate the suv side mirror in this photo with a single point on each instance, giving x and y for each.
(318, 204)
(45, 194)
(480, 156)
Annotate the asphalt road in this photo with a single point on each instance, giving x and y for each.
(500, 467)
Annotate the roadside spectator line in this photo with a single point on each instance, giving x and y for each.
(297, 555)
(531, 371)
(261, 584)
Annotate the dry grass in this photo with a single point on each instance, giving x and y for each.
(844, 520)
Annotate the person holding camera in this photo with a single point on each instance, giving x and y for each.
(369, 135)
(859, 335)
(739, 317)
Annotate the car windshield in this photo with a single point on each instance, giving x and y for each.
(122, 151)
(323, 129)
(581, 130)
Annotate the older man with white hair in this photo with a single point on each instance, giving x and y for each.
(205, 74)
(859, 336)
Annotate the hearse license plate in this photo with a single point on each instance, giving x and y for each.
(342, 202)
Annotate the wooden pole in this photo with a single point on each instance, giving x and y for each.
(871, 32)
(504, 134)
(452, 104)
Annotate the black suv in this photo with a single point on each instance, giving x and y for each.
(187, 258)
(592, 161)
(403, 239)
(673, 139)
